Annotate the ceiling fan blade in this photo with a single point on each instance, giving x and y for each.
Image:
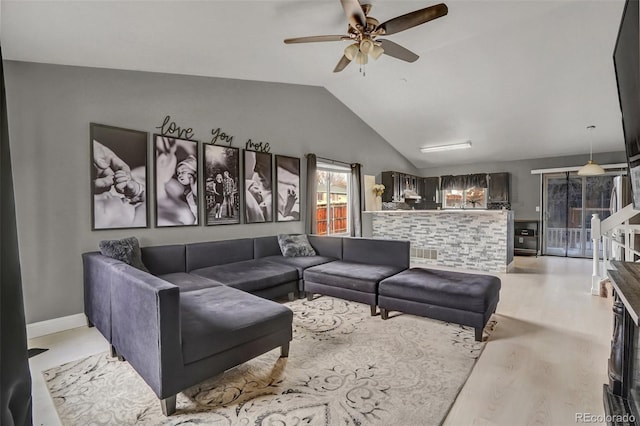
(342, 64)
(397, 51)
(355, 14)
(313, 39)
(413, 19)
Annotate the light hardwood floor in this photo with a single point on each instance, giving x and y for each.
(545, 361)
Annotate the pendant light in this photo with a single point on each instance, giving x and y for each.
(591, 168)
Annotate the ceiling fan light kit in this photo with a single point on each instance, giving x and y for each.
(448, 147)
(363, 30)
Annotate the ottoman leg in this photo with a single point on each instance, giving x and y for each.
(309, 297)
(284, 350)
(384, 313)
(374, 310)
(479, 334)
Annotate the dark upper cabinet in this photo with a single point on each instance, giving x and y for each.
(499, 187)
(428, 188)
(395, 183)
(391, 183)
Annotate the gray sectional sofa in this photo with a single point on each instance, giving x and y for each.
(203, 308)
(197, 313)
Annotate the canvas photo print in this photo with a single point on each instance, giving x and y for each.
(288, 188)
(118, 177)
(258, 197)
(222, 173)
(176, 179)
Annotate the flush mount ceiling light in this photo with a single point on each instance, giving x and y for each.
(449, 147)
(591, 168)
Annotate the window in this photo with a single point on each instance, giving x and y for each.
(332, 215)
(472, 198)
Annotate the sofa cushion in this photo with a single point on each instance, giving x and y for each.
(326, 246)
(266, 246)
(126, 250)
(376, 252)
(458, 290)
(350, 275)
(220, 318)
(164, 259)
(250, 275)
(295, 245)
(202, 255)
(300, 263)
(189, 282)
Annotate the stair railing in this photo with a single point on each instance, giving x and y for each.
(609, 231)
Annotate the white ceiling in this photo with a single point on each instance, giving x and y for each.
(520, 79)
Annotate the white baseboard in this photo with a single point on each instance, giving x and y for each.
(55, 325)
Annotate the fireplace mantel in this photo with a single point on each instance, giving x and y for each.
(622, 393)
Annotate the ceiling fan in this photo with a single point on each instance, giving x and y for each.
(363, 31)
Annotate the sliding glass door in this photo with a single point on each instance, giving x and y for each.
(569, 201)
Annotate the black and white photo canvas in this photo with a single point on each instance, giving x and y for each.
(287, 188)
(258, 197)
(222, 175)
(118, 177)
(176, 178)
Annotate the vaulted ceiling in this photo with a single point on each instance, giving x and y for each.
(520, 79)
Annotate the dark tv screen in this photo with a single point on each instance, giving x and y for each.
(626, 59)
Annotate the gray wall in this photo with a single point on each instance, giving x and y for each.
(50, 108)
(525, 187)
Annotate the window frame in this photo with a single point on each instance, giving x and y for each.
(464, 202)
(333, 168)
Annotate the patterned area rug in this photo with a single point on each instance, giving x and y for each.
(344, 367)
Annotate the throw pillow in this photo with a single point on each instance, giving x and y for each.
(295, 245)
(126, 250)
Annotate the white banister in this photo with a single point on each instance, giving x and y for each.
(606, 231)
(596, 235)
(618, 218)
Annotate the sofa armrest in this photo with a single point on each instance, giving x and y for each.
(146, 327)
(97, 276)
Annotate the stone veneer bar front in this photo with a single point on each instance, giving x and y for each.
(468, 239)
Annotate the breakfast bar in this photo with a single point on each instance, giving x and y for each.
(479, 240)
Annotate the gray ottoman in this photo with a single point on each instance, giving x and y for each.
(461, 298)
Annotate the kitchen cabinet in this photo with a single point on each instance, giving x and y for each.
(498, 188)
(391, 182)
(395, 183)
(428, 188)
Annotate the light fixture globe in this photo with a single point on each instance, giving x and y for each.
(376, 51)
(351, 51)
(591, 168)
(366, 45)
(362, 58)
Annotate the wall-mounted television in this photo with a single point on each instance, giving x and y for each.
(626, 59)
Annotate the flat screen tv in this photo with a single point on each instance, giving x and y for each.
(626, 59)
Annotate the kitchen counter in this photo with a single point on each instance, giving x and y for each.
(466, 239)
